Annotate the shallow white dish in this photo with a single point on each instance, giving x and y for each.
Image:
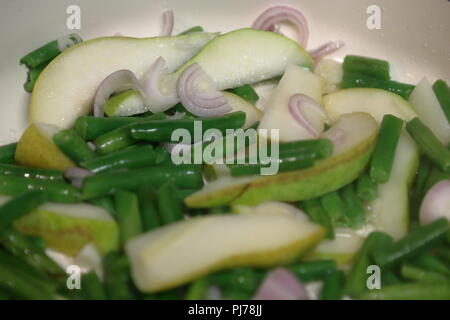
(413, 35)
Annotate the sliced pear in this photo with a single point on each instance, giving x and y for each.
(354, 136)
(276, 113)
(36, 149)
(252, 113)
(67, 228)
(331, 72)
(390, 211)
(66, 88)
(178, 253)
(377, 102)
(247, 56)
(429, 109)
(342, 248)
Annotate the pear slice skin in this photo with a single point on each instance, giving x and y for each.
(66, 88)
(178, 253)
(247, 56)
(36, 149)
(67, 228)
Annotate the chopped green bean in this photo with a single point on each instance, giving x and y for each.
(197, 290)
(384, 151)
(366, 188)
(313, 270)
(106, 203)
(419, 186)
(354, 210)
(442, 92)
(410, 291)
(169, 204)
(32, 76)
(128, 215)
(429, 262)
(246, 92)
(28, 172)
(7, 153)
(411, 272)
(69, 142)
(20, 205)
(317, 214)
(333, 286)
(429, 144)
(117, 277)
(148, 208)
(91, 287)
(371, 67)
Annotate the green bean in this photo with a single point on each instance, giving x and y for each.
(333, 206)
(162, 155)
(384, 151)
(356, 282)
(371, 67)
(191, 30)
(442, 92)
(418, 193)
(89, 127)
(184, 193)
(56, 191)
(117, 277)
(287, 163)
(429, 144)
(184, 176)
(161, 130)
(22, 285)
(429, 262)
(46, 53)
(354, 80)
(246, 92)
(436, 175)
(69, 142)
(169, 204)
(148, 208)
(28, 172)
(333, 286)
(32, 76)
(313, 270)
(20, 205)
(7, 153)
(354, 210)
(142, 156)
(120, 138)
(128, 215)
(197, 290)
(413, 244)
(4, 295)
(172, 294)
(318, 215)
(389, 278)
(444, 254)
(238, 280)
(366, 188)
(321, 148)
(23, 247)
(91, 287)
(410, 291)
(411, 272)
(106, 203)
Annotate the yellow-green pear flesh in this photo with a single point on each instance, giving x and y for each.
(67, 228)
(66, 88)
(389, 212)
(252, 113)
(247, 56)
(376, 102)
(276, 112)
(179, 253)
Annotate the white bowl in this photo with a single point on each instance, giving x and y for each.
(413, 35)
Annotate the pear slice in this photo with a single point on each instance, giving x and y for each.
(276, 112)
(252, 113)
(342, 248)
(67, 228)
(247, 56)
(178, 253)
(354, 136)
(390, 211)
(36, 149)
(66, 88)
(376, 102)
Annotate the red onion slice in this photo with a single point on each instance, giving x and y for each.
(281, 284)
(297, 104)
(436, 203)
(116, 82)
(277, 14)
(168, 22)
(326, 49)
(154, 97)
(77, 175)
(202, 102)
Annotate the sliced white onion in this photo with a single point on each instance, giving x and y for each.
(168, 22)
(77, 175)
(68, 41)
(297, 104)
(326, 49)
(281, 284)
(198, 95)
(274, 15)
(436, 203)
(158, 86)
(117, 81)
